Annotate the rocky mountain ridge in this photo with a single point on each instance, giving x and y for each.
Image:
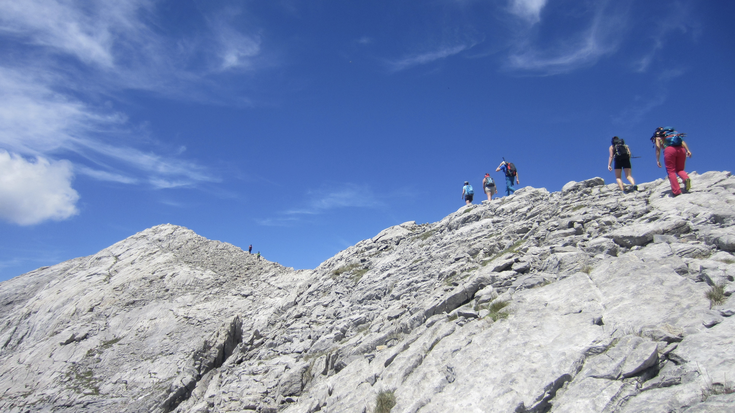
(580, 300)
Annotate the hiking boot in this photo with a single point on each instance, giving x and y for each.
(635, 188)
(688, 184)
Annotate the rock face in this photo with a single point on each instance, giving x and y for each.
(584, 300)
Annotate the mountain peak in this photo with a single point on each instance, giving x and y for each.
(586, 299)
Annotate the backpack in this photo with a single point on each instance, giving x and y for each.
(511, 169)
(620, 150)
(469, 190)
(489, 182)
(669, 135)
(672, 137)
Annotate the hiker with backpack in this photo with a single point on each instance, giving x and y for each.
(510, 171)
(676, 152)
(620, 152)
(467, 193)
(489, 185)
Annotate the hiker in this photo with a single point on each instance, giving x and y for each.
(467, 193)
(510, 172)
(258, 256)
(489, 185)
(676, 151)
(250, 249)
(621, 153)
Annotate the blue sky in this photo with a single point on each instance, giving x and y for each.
(303, 127)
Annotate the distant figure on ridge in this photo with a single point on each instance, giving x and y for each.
(467, 193)
(250, 250)
(621, 153)
(676, 152)
(489, 185)
(510, 172)
(258, 256)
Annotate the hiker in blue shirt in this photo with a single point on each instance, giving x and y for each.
(510, 172)
(467, 192)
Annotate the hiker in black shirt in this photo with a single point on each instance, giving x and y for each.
(620, 152)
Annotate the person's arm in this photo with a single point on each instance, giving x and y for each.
(609, 161)
(499, 166)
(462, 192)
(658, 152)
(686, 147)
(518, 181)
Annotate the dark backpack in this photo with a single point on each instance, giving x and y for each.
(512, 171)
(489, 182)
(620, 150)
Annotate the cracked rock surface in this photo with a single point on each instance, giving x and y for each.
(583, 300)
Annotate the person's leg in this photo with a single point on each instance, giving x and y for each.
(509, 182)
(629, 176)
(618, 177)
(681, 160)
(489, 193)
(670, 161)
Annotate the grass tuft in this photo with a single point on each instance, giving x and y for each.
(714, 389)
(385, 401)
(716, 295)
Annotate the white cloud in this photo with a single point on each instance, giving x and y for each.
(236, 51)
(639, 109)
(364, 40)
(88, 32)
(348, 195)
(678, 20)
(426, 57)
(36, 121)
(529, 10)
(105, 175)
(33, 192)
(581, 49)
(322, 201)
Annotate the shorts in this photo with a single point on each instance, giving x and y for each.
(469, 197)
(622, 163)
(491, 189)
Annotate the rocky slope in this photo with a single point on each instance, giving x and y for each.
(584, 300)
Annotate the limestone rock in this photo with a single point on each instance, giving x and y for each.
(580, 300)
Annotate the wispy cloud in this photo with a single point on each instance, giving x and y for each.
(73, 54)
(576, 50)
(677, 19)
(364, 40)
(639, 109)
(234, 50)
(88, 33)
(35, 120)
(426, 57)
(323, 201)
(347, 196)
(529, 10)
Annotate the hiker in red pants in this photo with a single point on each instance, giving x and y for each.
(676, 152)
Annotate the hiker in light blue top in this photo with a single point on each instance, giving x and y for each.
(510, 172)
(467, 193)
